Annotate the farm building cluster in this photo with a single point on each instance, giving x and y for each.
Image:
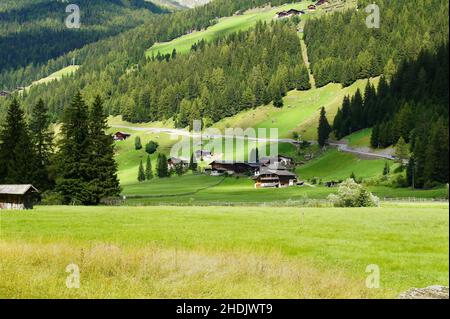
(268, 172)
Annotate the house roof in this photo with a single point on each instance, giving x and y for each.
(17, 189)
(266, 171)
(122, 133)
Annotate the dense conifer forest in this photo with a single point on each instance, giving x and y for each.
(413, 107)
(342, 49)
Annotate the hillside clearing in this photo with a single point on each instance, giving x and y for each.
(223, 27)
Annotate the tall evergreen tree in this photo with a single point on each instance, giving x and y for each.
(324, 128)
(103, 180)
(42, 138)
(162, 169)
(16, 149)
(74, 155)
(141, 173)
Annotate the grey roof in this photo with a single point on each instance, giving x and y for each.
(16, 189)
(265, 171)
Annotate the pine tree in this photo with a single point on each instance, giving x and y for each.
(162, 169)
(103, 180)
(74, 156)
(42, 138)
(141, 173)
(137, 143)
(17, 156)
(148, 169)
(324, 128)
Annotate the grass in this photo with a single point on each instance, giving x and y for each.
(219, 252)
(222, 28)
(300, 112)
(360, 138)
(336, 165)
(56, 76)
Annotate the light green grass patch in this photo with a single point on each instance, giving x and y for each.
(224, 27)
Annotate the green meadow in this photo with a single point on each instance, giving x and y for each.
(223, 27)
(222, 252)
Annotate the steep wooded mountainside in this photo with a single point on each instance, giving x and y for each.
(343, 49)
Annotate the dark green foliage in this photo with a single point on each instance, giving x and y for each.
(342, 49)
(103, 180)
(37, 33)
(42, 138)
(412, 108)
(141, 173)
(179, 169)
(17, 156)
(86, 167)
(151, 147)
(137, 143)
(324, 129)
(162, 169)
(74, 154)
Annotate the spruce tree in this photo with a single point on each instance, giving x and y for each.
(17, 155)
(73, 157)
(137, 143)
(148, 169)
(324, 128)
(162, 169)
(141, 173)
(103, 180)
(42, 138)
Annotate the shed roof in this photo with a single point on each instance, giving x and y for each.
(16, 189)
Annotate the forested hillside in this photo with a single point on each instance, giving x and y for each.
(33, 32)
(217, 80)
(342, 48)
(412, 107)
(106, 61)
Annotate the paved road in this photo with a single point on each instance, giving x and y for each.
(341, 146)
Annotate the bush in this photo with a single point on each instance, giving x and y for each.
(151, 147)
(50, 198)
(352, 194)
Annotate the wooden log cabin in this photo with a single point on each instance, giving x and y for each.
(17, 196)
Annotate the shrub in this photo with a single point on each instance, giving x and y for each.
(49, 198)
(137, 143)
(151, 147)
(352, 194)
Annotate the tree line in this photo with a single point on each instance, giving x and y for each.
(79, 167)
(342, 49)
(216, 80)
(106, 61)
(413, 107)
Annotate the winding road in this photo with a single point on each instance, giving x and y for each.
(342, 146)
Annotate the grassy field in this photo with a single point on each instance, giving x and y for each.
(300, 112)
(360, 138)
(224, 27)
(219, 252)
(69, 70)
(336, 165)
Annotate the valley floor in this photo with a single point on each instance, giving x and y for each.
(222, 252)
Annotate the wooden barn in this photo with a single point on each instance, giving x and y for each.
(17, 196)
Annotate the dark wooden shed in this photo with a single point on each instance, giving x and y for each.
(17, 196)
